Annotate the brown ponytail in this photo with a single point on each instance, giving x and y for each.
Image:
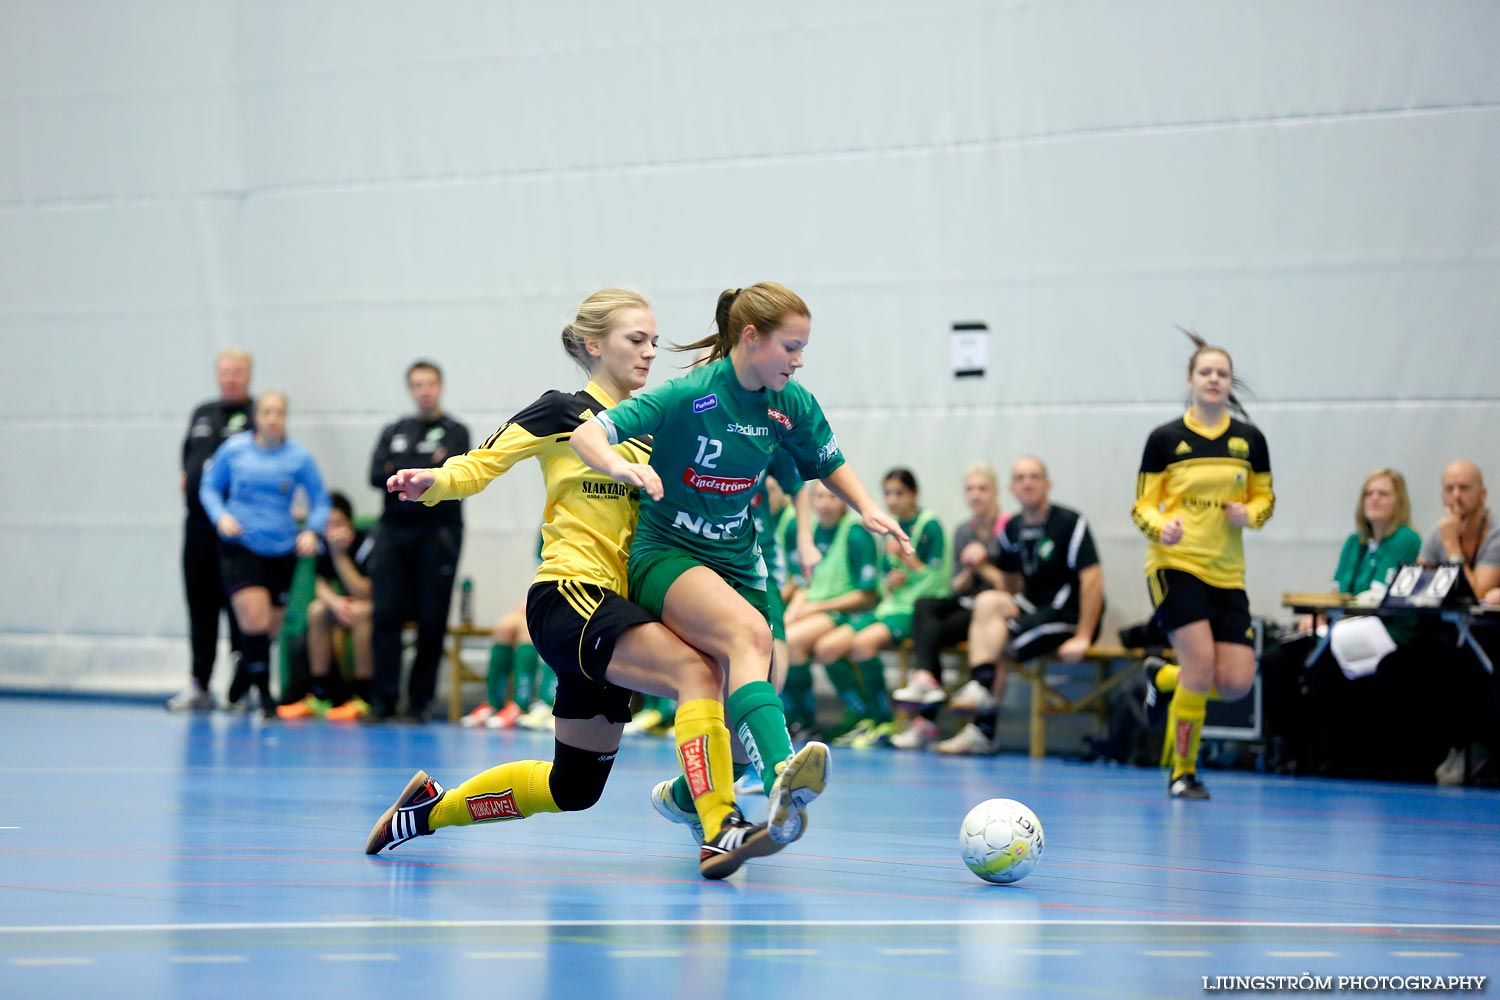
(1203, 347)
(764, 306)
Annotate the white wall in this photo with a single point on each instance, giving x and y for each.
(344, 186)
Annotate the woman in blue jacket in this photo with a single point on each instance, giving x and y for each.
(247, 491)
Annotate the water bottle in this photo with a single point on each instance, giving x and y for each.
(466, 601)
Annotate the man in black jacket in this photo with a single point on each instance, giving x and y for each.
(416, 549)
(210, 426)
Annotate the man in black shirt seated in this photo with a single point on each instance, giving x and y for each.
(1053, 600)
(341, 602)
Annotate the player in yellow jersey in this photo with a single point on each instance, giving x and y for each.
(1204, 478)
(601, 646)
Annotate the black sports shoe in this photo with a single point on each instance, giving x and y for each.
(380, 714)
(1157, 702)
(406, 819)
(738, 841)
(1187, 786)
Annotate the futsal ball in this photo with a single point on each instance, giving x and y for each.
(1001, 840)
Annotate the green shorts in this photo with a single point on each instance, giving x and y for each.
(854, 619)
(653, 573)
(899, 623)
(776, 608)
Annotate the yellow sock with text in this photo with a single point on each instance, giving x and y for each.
(511, 791)
(703, 750)
(1188, 710)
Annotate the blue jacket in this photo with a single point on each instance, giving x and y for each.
(256, 485)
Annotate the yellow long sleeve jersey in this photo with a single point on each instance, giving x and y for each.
(1191, 471)
(589, 519)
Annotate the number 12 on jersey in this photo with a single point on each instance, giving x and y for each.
(708, 451)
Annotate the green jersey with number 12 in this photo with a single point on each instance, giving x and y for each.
(712, 441)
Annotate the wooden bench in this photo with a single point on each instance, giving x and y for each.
(1045, 700)
(458, 671)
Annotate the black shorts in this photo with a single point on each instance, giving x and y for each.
(574, 627)
(1181, 598)
(242, 568)
(1038, 631)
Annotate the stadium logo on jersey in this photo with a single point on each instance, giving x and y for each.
(695, 766)
(1239, 447)
(779, 417)
(706, 528)
(723, 485)
(829, 451)
(708, 402)
(748, 430)
(489, 807)
(1183, 448)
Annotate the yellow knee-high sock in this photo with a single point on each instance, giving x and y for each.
(1188, 709)
(510, 791)
(707, 761)
(1166, 680)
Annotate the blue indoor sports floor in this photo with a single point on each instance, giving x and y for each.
(144, 854)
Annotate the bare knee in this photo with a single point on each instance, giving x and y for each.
(1234, 671)
(694, 671)
(867, 646)
(994, 605)
(830, 647)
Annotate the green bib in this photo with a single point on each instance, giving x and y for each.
(930, 581)
(831, 577)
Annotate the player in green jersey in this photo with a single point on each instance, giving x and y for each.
(843, 585)
(695, 560)
(854, 647)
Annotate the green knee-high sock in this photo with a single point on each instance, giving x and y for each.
(547, 690)
(872, 678)
(526, 668)
(841, 675)
(798, 695)
(758, 719)
(501, 658)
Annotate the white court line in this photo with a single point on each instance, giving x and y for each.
(358, 957)
(503, 955)
(206, 959)
(73, 960)
(1427, 954)
(1302, 954)
(645, 953)
(9, 828)
(1059, 952)
(1177, 954)
(916, 951)
(488, 924)
(780, 952)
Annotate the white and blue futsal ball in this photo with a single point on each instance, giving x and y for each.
(1001, 840)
